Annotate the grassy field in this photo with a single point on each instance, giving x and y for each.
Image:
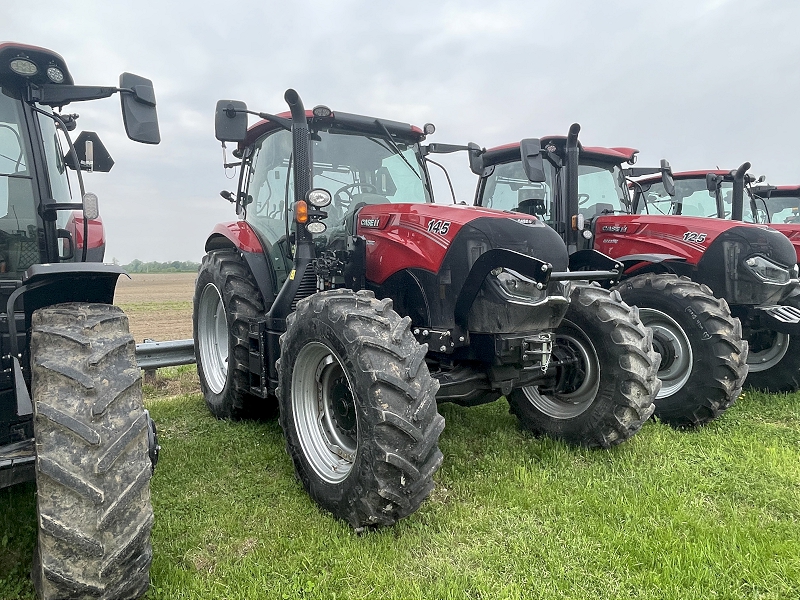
(713, 513)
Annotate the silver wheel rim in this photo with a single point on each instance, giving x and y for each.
(571, 404)
(212, 338)
(324, 412)
(769, 357)
(671, 342)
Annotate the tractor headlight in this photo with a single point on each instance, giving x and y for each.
(518, 286)
(767, 271)
(24, 67)
(319, 197)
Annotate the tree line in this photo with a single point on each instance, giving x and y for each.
(176, 266)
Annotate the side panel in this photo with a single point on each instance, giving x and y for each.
(686, 237)
(418, 236)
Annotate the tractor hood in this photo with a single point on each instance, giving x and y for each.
(419, 236)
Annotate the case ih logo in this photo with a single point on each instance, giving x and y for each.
(615, 228)
(370, 222)
(525, 221)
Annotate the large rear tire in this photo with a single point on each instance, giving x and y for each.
(226, 300)
(92, 464)
(703, 356)
(358, 408)
(605, 375)
(774, 357)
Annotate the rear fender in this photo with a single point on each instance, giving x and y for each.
(96, 240)
(240, 235)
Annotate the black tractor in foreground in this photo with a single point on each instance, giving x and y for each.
(71, 414)
(344, 295)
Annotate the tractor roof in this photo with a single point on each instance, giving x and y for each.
(343, 121)
(699, 174)
(22, 56)
(510, 152)
(780, 191)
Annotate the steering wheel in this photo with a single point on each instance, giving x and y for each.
(583, 199)
(346, 189)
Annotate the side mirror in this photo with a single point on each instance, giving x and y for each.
(230, 121)
(475, 158)
(666, 177)
(530, 151)
(92, 154)
(139, 108)
(712, 181)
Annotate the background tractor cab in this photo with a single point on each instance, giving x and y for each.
(584, 196)
(345, 295)
(70, 391)
(734, 195)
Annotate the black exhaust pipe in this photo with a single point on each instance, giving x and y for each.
(300, 144)
(737, 210)
(571, 187)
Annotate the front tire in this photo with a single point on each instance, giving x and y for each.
(92, 464)
(703, 356)
(774, 357)
(605, 379)
(358, 408)
(226, 300)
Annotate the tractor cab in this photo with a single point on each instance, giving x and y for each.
(781, 203)
(704, 193)
(46, 216)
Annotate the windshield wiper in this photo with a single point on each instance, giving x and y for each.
(396, 149)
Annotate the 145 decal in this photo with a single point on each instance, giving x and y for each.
(438, 226)
(692, 236)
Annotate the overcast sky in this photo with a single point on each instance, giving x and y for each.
(704, 83)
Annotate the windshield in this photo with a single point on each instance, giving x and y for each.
(602, 190)
(355, 169)
(782, 209)
(692, 198)
(360, 168)
(19, 245)
(56, 168)
(508, 188)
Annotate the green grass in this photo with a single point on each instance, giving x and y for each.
(713, 513)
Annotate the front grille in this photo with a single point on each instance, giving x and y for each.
(307, 287)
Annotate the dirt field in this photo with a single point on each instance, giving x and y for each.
(159, 306)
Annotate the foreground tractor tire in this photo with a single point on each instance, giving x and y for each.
(358, 408)
(92, 465)
(226, 299)
(605, 375)
(703, 356)
(774, 357)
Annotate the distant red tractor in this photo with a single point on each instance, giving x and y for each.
(71, 413)
(344, 295)
(763, 289)
(671, 265)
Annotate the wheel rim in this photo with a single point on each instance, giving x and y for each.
(578, 379)
(325, 412)
(212, 338)
(672, 343)
(768, 355)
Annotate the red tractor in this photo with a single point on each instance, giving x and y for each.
(669, 263)
(780, 207)
(71, 413)
(346, 296)
(764, 293)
